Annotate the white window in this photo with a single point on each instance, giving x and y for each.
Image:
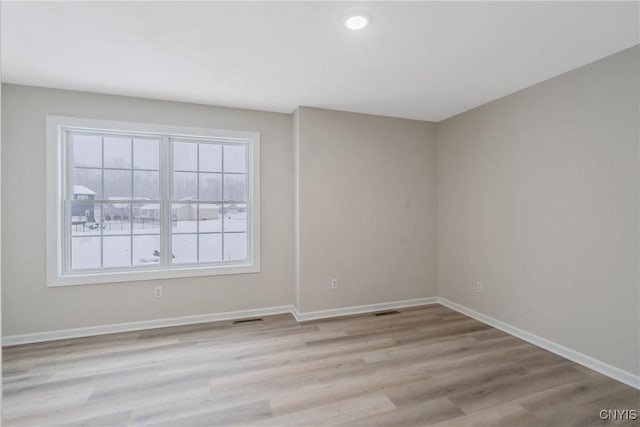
(132, 201)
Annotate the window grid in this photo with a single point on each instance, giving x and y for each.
(102, 196)
(99, 203)
(198, 206)
(133, 162)
(198, 202)
(222, 196)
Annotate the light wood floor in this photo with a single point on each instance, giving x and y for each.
(425, 366)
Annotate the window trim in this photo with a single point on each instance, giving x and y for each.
(55, 204)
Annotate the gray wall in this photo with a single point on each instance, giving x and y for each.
(29, 306)
(538, 198)
(367, 208)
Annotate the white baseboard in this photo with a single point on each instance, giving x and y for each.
(139, 326)
(575, 356)
(359, 309)
(617, 374)
(204, 318)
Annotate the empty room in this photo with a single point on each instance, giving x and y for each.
(320, 213)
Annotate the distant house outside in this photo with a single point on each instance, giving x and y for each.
(83, 212)
(189, 212)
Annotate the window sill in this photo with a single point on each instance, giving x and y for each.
(150, 274)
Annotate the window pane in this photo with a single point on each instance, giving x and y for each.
(146, 218)
(235, 158)
(116, 251)
(210, 186)
(146, 250)
(146, 154)
(210, 158)
(183, 218)
(117, 184)
(87, 183)
(185, 248)
(235, 246)
(117, 152)
(235, 187)
(87, 150)
(210, 218)
(117, 218)
(114, 213)
(235, 217)
(210, 247)
(185, 186)
(185, 156)
(146, 185)
(85, 219)
(85, 252)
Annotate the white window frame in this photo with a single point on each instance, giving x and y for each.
(58, 274)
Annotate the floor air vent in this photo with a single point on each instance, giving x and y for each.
(246, 321)
(386, 313)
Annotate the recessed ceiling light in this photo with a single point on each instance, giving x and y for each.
(356, 22)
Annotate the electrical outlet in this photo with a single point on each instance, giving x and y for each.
(480, 287)
(157, 291)
(334, 284)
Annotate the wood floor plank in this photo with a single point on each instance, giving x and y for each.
(422, 366)
(420, 414)
(459, 382)
(340, 412)
(507, 414)
(42, 404)
(494, 393)
(183, 408)
(237, 415)
(550, 401)
(115, 419)
(342, 388)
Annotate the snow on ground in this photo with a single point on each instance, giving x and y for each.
(118, 246)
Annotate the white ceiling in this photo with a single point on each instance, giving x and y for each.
(421, 60)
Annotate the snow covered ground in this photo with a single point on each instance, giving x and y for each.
(120, 248)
